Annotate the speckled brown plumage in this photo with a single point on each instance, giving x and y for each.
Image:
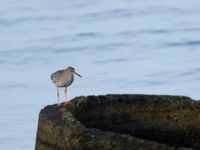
(63, 78)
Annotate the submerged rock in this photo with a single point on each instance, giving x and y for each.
(121, 122)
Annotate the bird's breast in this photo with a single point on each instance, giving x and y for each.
(69, 80)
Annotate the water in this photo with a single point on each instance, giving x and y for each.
(123, 46)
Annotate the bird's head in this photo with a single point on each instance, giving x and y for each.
(72, 70)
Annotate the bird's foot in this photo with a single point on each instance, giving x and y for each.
(67, 103)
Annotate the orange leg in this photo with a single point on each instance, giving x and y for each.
(66, 102)
(58, 96)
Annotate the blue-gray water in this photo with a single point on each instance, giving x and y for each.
(118, 46)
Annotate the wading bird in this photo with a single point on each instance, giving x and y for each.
(63, 78)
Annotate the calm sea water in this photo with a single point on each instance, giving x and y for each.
(118, 46)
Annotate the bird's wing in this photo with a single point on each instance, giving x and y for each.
(56, 74)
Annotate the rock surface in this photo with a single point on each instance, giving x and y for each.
(121, 122)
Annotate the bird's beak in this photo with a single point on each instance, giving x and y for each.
(77, 74)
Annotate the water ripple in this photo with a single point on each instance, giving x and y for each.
(14, 86)
(115, 13)
(131, 33)
(183, 43)
(72, 49)
(112, 45)
(116, 60)
(10, 22)
(148, 83)
(195, 71)
(87, 34)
